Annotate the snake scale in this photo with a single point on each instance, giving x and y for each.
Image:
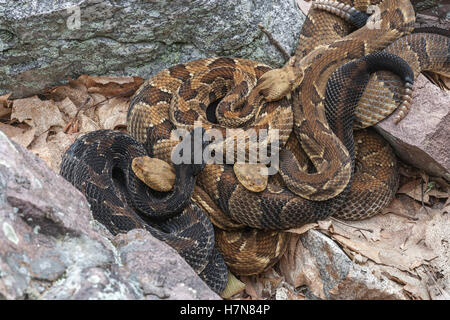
(345, 75)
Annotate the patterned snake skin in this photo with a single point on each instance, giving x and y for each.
(315, 101)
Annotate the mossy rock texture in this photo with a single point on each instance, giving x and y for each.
(45, 42)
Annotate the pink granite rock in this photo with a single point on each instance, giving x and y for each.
(51, 248)
(422, 138)
(160, 271)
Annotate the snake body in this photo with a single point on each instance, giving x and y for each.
(305, 101)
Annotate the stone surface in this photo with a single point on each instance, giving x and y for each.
(44, 42)
(317, 262)
(158, 268)
(51, 248)
(433, 8)
(421, 138)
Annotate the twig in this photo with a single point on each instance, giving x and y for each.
(275, 43)
(75, 117)
(85, 106)
(348, 225)
(430, 275)
(103, 101)
(403, 215)
(423, 193)
(360, 231)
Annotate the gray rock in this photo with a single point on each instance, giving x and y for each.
(421, 138)
(434, 9)
(162, 274)
(319, 265)
(92, 283)
(46, 225)
(51, 248)
(333, 264)
(42, 43)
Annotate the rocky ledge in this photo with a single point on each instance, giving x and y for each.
(51, 248)
(42, 43)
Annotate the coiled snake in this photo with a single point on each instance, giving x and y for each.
(314, 101)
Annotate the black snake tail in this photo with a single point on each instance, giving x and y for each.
(346, 86)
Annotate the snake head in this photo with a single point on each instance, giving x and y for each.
(155, 173)
(278, 83)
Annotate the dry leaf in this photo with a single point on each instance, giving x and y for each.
(5, 105)
(416, 292)
(399, 244)
(22, 135)
(403, 208)
(25, 138)
(52, 148)
(439, 80)
(446, 208)
(416, 190)
(438, 194)
(326, 225)
(38, 114)
(111, 86)
(304, 228)
(304, 6)
(67, 108)
(250, 288)
(113, 113)
(10, 130)
(358, 246)
(75, 91)
(299, 268)
(234, 287)
(86, 124)
(4, 100)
